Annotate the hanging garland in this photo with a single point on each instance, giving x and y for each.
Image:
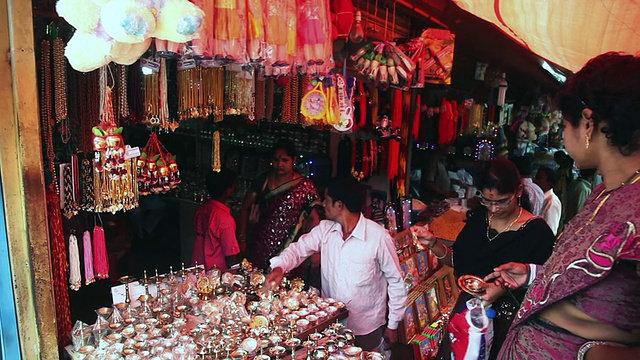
(114, 186)
(46, 120)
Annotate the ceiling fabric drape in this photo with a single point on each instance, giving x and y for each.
(565, 32)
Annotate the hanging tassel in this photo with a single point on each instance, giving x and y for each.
(100, 259)
(75, 278)
(88, 258)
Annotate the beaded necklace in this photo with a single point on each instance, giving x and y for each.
(505, 229)
(46, 119)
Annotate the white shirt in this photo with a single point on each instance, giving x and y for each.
(551, 210)
(535, 194)
(359, 271)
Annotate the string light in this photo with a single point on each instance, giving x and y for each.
(480, 152)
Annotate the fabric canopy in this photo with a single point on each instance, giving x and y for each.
(565, 32)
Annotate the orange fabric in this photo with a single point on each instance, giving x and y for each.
(566, 32)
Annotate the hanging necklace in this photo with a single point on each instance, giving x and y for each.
(505, 229)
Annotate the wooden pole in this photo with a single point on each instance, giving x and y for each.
(21, 171)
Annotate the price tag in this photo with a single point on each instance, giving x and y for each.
(131, 152)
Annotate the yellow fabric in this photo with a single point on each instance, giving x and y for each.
(565, 32)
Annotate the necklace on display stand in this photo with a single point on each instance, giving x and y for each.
(505, 229)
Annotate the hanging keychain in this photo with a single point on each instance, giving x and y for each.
(100, 258)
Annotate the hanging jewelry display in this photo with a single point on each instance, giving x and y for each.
(157, 169)
(113, 181)
(46, 120)
(88, 194)
(200, 92)
(286, 99)
(75, 279)
(100, 257)
(216, 164)
(67, 197)
(268, 101)
(123, 103)
(88, 258)
(295, 96)
(60, 89)
(151, 100)
(59, 263)
(260, 95)
(238, 90)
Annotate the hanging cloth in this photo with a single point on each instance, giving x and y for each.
(394, 146)
(445, 123)
(75, 278)
(59, 266)
(88, 258)
(100, 258)
(415, 130)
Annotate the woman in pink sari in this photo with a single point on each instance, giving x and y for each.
(584, 302)
(285, 201)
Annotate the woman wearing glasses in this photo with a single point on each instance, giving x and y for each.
(583, 303)
(503, 232)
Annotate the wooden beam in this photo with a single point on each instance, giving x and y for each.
(21, 170)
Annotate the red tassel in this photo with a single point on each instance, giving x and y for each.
(60, 266)
(88, 258)
(415, 131)
(394, 146)
(100, 259)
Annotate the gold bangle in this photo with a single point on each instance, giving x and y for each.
(446, 252)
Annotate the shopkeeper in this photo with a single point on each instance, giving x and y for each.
(359, 264)
(435, 183)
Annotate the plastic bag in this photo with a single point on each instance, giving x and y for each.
(471, 332)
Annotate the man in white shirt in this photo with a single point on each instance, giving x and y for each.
(533, 191)
(551, 208)
(359, 264)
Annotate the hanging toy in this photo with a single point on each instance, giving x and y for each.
(157, 169)
(314, 103)
(345, 105)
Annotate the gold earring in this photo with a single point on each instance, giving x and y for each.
(586, 146)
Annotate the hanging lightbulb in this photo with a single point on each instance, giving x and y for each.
(356, 35)
(502, 90)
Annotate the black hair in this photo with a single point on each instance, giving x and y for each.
(348, 190)
(286, 145)
(609, 85)
(219, 181)
(524, 165)
(551, 175)
(502, 174)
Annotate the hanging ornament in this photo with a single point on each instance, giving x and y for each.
(239, 91)
(157, 169)
(113, 182)
(484, 150)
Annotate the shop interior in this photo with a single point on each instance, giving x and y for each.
(419, 77)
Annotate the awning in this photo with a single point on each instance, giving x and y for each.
(565, 32)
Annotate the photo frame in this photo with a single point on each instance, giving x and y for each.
(423, 264)
(412, 268)
(449, 287)
(434, 263)
(433, 300)
(422, 311)
(410, 324)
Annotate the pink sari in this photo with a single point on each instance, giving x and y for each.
(595, 266)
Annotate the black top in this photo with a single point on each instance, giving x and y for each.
(474, 254)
